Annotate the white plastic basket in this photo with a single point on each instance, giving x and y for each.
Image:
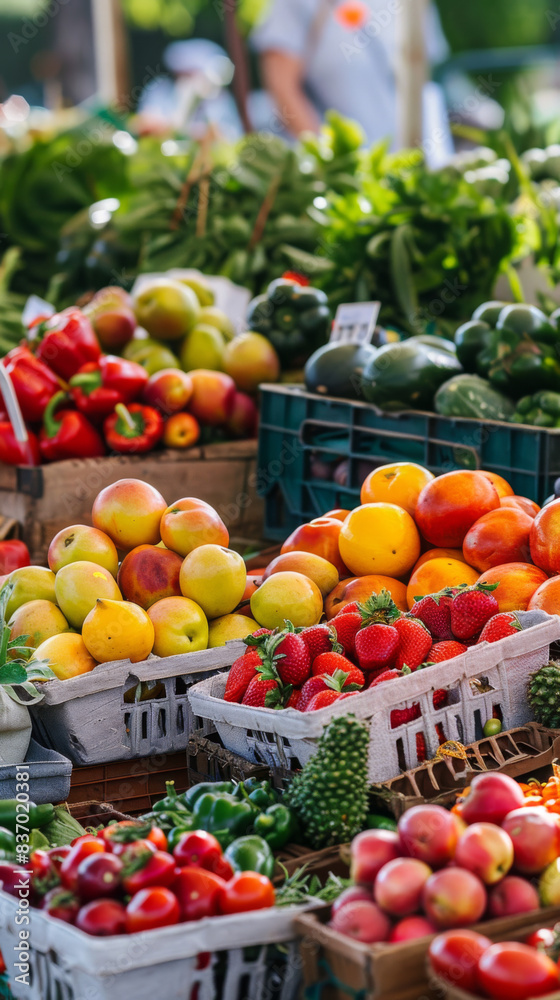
(87, 718)
(222, 958)
(288, 738)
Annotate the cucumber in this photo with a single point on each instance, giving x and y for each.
(471, 396)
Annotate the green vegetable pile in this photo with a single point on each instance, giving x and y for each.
(49, 826)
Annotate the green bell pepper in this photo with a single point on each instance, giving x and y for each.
(224, 816)
(295, 318)
(375, 822)
(214, 787)
(250, 854)
(259, 793)
(278, 825)
(172, 802)
(169, 820)
(7, 840)
(27, 815)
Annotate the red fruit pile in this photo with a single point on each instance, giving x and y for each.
(363, 646)
(436, 874)
(111, 883)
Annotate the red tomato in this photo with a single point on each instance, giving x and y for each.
(129, 851)
(57, 855)
(246, 891)
(157, 837)
(541, 939)
(124, 832)
(44, 874)
(153, 907)
(198, 850)
(86, 838)
(513, 971)
(157, 869)
(198, 892)
(13, 554)
(73, 860)
(223, 869)
(99, 875)
(102, 918)
(61, 904)
(454, 955)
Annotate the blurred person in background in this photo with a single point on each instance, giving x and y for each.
(321, 54)
(195, 95)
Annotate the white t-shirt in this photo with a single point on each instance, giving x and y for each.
(351, 70)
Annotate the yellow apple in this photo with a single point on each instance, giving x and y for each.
(78, 586)
(180, 626)
(167, 309)
(289, 596)
(39, 620)
(214, 577)
(30, 583)
(81, 541)
(66, 654)
(228, 627)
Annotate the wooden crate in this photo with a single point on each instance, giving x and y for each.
(45, 499)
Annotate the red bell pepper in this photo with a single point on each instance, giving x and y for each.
(13, 555)
(133, 430)
(66, 341)
(34, 383)
(14, 452)
(67, 433)
(100, 385)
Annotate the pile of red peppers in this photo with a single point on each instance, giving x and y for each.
(76, 401)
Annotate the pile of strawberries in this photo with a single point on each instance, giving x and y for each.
(364, 646)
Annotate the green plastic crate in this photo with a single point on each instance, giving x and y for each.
(298, 428)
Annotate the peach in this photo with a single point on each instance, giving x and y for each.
(213, 396)
(429, 833)
(322, 572)
(547, 597)
(453, 897)
(359, 588)
(190, 522)
(410, 929)
(148, 574)
(66, 655)
(320, 536)
(181, 431)
(517, 583)
(370, 851)
(362, 920)
(251, 359)
(545, 538)
(169, 389)
(129, 511)
(38, 620)
(521, 503)
(82, 542)
(485, 850)
(111, 315)
(535, 834)
(491, 797)
(501, 536)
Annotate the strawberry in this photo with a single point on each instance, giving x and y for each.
(262, 692)
(414, 643)
(472, 608)
(347, 694)
(321, 700)
(241, 674)
(400, 716)
(345, 628)
(318, 639)
(376, 646)
(441, 651)
(500, 626)
(293, 700)
(290, 655)
(440, 698)
(388, 675)
(261, 631)
(435, 611)
(309, 690)
(348, 609)
(327, 663)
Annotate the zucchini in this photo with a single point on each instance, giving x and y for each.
(471, 396)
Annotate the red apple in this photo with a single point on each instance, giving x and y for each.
(410, 929)
(213, 396)
(512, 895)
(351, 895)
(399, 886)
(428, 833)
(454, 897)
(148, 574)
(363, 921)
(244, 419)
(486, 850)
(492, 796)
(535, 833)
(169, 389)
(370, 851)
(455, 954)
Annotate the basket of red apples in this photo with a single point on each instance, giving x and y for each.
(491, 864)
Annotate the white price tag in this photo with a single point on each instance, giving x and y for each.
(355, 323)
